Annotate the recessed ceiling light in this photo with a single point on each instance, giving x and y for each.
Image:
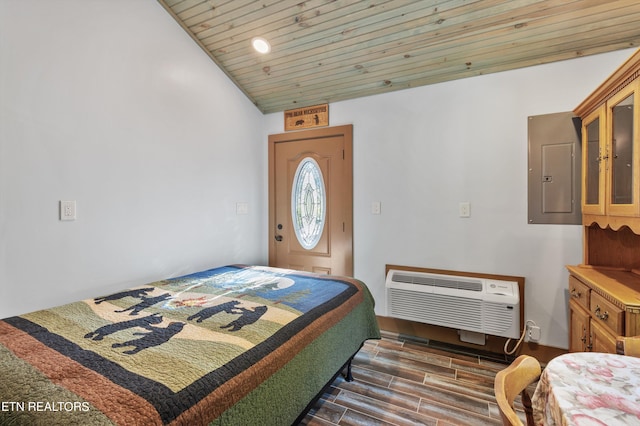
(261, 45)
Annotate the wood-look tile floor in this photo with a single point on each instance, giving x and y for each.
(405, 382)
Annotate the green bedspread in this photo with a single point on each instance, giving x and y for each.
(232, 345)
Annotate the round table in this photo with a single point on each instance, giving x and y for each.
(588, 388)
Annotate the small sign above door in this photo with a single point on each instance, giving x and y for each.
(304, 118)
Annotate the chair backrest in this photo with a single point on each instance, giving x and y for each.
(512, 381)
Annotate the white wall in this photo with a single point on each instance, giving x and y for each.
(111, 104)
(421, 152)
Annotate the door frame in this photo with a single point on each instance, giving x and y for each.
(346, 131)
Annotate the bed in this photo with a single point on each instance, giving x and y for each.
(234, 345)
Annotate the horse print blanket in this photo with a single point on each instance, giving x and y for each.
(231, 345)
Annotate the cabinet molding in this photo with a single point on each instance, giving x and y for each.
(623, 76)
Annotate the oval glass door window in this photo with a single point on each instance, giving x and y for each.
(308, 203)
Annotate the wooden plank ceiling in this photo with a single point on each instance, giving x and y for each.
(331, 50)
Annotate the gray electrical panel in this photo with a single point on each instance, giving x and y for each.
(554, 169)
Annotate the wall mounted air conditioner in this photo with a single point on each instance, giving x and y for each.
(476, 305)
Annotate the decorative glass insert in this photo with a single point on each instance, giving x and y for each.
(308, 203)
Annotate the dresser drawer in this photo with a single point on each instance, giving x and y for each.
(579, 292)
(607, 314)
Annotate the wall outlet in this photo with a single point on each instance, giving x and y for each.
(242, 208)
(533, 333)
(67, 210)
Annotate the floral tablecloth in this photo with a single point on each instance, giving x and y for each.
(587, 388)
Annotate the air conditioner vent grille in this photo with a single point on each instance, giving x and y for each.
(453, 283)
(436, 309)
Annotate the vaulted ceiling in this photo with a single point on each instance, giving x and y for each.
(330, 50)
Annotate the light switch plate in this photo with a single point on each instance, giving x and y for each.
(465, 209)
(376, 207)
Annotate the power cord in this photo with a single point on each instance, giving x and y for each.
(524, 333)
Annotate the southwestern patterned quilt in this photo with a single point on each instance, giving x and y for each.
(232, 345)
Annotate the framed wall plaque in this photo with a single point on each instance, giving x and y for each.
(304, 118)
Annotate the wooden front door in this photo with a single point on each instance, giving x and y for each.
(310, 200)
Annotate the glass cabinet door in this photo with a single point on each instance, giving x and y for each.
(593, 165)
(622, 170)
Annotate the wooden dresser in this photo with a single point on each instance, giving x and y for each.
(605, 290)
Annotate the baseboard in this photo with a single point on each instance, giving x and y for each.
(494, 344)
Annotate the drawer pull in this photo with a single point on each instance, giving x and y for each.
(575, 293)
(603, 316)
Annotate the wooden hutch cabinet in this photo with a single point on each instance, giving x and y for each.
(604, 291)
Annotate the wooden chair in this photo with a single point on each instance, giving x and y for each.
(512, 381)
(629, 345)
